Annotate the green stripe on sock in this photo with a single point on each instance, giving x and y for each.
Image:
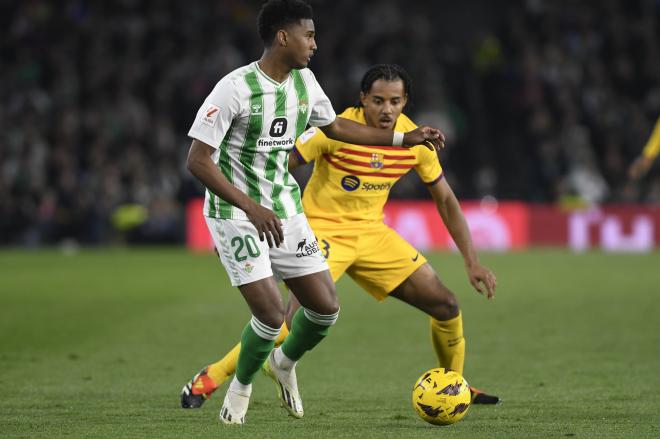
(304, 336)
(254, 351)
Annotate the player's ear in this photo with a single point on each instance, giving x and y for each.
(405, 100)
(282, 37)
(363, 98)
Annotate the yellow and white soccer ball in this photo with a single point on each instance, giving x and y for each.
(441, 396)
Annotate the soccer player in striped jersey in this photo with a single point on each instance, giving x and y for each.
(344, 202)
(242, 138)
(643, 163)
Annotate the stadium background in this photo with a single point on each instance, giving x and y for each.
(542, 102)
(545, 103)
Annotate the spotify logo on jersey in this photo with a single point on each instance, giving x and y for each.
(350, 183)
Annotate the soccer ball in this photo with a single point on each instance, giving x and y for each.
(441, 396)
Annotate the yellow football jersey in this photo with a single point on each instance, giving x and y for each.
(350, 183)
(652, 148)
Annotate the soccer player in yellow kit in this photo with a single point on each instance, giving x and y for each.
(643, 163)
(344, 201)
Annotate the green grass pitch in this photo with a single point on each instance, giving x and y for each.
(99, 344)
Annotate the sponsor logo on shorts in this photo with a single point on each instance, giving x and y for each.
(305, 249)
(376, 186)
(415, 258)
(350, 183)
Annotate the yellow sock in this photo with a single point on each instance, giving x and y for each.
(226, 367)
(283, 333)
(448, 342)
(223, 369)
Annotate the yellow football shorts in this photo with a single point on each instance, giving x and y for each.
(378, 259)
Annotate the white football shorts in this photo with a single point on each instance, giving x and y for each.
(247, 259)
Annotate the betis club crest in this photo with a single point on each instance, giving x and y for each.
(376, 161)
(302, 106)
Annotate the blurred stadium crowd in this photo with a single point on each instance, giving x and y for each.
(543, 101)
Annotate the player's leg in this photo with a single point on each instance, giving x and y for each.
(257, 340)
(318, 311)
(247, 262)
(218, 372)
(339, 253)
(300, 264)
(424, 290)
(389, 265)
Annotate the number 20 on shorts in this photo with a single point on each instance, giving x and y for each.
(246, 244)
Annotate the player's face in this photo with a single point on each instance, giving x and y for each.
(384, 103)
(300, 43)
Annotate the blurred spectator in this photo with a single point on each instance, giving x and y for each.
(541, 100)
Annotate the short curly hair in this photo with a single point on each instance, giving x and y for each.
(277, 14)
(388, 72)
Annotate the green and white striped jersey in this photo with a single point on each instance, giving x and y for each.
(253, 122)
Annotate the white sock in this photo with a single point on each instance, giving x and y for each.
(240, 388)
(282, 361)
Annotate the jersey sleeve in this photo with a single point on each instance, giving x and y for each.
(428, 166)
(652, 148)
(312, 144)
(321, 113)
(216, 114)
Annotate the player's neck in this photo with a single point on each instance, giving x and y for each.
(273, 67)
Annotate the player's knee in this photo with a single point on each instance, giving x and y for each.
(273, 319)
(330, 306)
(447, 308)
(452, 305)
(327, 305)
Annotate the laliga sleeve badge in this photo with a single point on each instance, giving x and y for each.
(304, 137)
(210, 116)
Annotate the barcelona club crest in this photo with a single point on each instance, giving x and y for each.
(376, 161)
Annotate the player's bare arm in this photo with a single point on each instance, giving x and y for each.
(201, 165)
(295, 161)
(349, 131)
(452, 216)
(644, 162)
(640, 167)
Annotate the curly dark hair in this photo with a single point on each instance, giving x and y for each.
(388, 72)
(277, 14)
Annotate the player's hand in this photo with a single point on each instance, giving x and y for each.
(640, 167)
(268, 225)
(482, 279)
(425, 135)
